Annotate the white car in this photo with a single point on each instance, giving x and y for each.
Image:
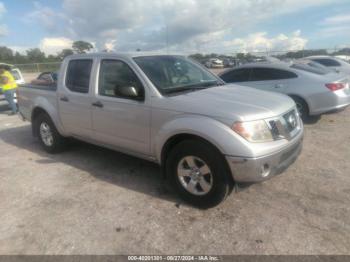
(214, 63)
(16, 73)
(314, 90)
(332, 63)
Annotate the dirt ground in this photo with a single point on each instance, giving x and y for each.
(90, 200)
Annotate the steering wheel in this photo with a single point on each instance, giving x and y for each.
(183, 77)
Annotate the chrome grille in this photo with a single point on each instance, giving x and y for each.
(287, 126)
(274, 129)
(291, 120)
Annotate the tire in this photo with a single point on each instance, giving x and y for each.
(50, 140)
(302, 107)
(208, 183)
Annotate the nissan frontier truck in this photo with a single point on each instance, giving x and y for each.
(206, 135)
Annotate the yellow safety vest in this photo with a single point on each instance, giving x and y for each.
(11, 81)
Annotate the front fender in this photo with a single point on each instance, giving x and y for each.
(213, 131)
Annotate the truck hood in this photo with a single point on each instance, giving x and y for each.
(231, 101)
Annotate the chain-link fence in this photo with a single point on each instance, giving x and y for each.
(39, 67)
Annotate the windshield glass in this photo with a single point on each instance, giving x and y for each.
(15, 74)
(176, 73)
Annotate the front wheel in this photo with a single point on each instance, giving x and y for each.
(199, 173)
(50, 140)
(302, 108)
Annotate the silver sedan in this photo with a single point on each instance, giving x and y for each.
(314, 90)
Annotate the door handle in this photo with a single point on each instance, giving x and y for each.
(278, 85)
(64, 99)
(97, 104)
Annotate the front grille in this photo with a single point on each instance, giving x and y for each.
(286, 126)
(274, 129)
(291, 120)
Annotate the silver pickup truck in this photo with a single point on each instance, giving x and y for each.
(206, 135)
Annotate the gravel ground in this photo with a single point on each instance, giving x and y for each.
(90, 200)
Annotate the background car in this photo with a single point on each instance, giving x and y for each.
(332, 62)
(214, 63)
(229, 63)
(314, 90)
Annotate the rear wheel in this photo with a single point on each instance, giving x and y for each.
(50, 140)
(199, 173)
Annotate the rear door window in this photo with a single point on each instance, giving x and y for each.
(327, 62)
(266, 74)
(78, 75)
(235, 76)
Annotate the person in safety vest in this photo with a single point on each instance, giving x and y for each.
(8, 86)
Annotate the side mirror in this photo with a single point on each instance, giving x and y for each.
(129, 92)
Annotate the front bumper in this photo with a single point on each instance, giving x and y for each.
(248, 170)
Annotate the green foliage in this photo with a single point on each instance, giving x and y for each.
(304, 53)
(6, 54)
(35, 54)
(81, 47)
(64, 53)
(344, 51)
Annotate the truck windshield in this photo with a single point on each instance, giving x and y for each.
(172, 74)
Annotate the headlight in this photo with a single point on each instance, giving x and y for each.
(253, 131)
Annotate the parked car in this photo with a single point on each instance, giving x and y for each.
(315, 90)
(168, 109)
(332, 62)
(229, 63)
(46, 78)
(16, 73)
(346, 58)
(214, 63)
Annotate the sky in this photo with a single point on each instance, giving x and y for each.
(222, 26)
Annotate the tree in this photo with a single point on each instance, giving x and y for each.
(6, 54)
(35, 55)
(344, 51)
(81, 47)
(19, 58)
(64, 53)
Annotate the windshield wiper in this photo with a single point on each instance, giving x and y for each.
(194, 87)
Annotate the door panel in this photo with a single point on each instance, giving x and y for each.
(271, 79)
(273, 85)
(122, 122)
(74, 99)
(75, 114)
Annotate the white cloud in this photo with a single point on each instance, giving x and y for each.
(3, 27)
(20, 49)
(110, 45)
(334, 26)
(338, 19)
(3, 30)
(2, 9)
(149, 25)
(52, 46)
(260, 42)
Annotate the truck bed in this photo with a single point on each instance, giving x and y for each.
(40, 87)
(30, 96)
